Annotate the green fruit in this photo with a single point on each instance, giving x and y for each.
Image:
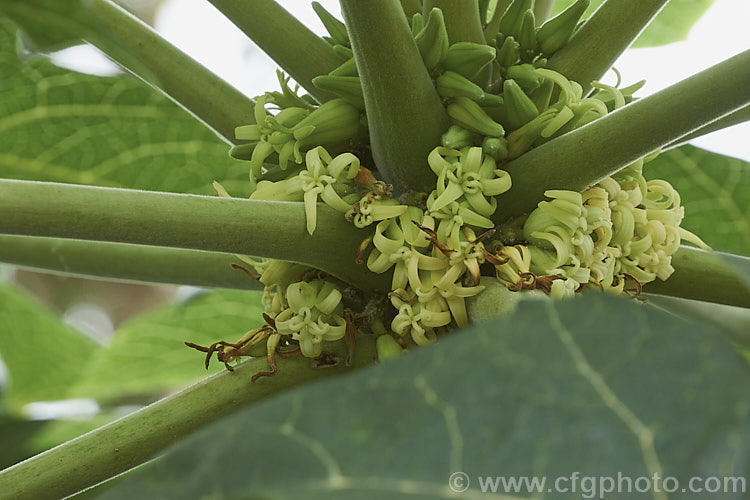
(509, 52)
(387, 347)
(527, 35)
(417, 23)
(496, 300)
(332, 122)
(525, 76)
(347, 68)
(496, 147)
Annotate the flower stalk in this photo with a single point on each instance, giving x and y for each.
(461, 19)
(249, 227)
(603, 38)
(404, 112)
(136, 438)
(581, 158)
(300, 52)
(120, 261)
(706, 276)
(212, 100)
(739, 116)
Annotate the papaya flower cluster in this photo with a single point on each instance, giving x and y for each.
(434, 252)
(502, 101)
(624, 228)
(431, 249)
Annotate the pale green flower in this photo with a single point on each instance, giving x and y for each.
(466, 175)
(447, 284)
(512, 264)
(418, 318)
(313, 315)
(393, 249)
(374, 208)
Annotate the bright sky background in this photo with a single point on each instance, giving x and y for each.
(200, 30)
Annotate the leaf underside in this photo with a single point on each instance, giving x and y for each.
(556, 393)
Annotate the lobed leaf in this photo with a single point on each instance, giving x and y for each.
(59, 125)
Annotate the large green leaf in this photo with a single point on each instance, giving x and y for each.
(597, 385)
(59, 125)
(148, 356)
(671, 25)
(715, 190)
(43, 355)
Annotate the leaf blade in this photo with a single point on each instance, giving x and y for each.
(556, 393)
(58, 125)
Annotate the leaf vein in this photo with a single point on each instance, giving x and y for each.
(642, 432)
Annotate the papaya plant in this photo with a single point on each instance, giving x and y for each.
(442, 251)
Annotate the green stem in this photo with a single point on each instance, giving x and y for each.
(405, 115)
(739, 116)
(250, 227)
(586, 155)
(462, 19)
(542, 10)
(463, 24)
(140, 436)
(735, 321)
(411, 7)
(300, 52)
(121, 261)
(600, 41)
(212, 100)
(706, 276)
(491, 30)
